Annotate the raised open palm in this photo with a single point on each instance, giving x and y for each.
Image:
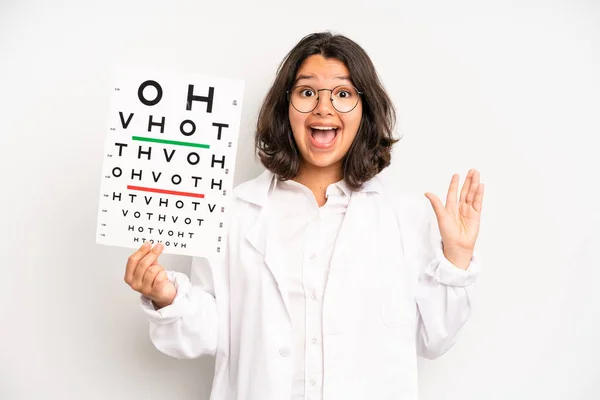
(460, 218)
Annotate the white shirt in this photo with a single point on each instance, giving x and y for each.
(307, 233)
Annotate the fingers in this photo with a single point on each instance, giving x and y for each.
(466, 186)
(473, 187)
(133, 260)
(147, 261)
(452, 190)
(471, 192)
(150, 276)
(436, 203)
(478, 199)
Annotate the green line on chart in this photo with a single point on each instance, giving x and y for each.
(143, 139)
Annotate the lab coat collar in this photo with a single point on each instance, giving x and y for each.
(257, 190)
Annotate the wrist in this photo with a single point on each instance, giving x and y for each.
(459, 257)
(158, 305)
(162, 303)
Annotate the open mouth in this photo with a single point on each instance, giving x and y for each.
(323, 135)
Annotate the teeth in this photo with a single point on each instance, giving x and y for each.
(323, 128)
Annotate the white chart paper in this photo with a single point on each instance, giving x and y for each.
(169, 161)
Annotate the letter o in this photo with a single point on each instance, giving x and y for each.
(158, 93)
(197, 158)
(182, 130)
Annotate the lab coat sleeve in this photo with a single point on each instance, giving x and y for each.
(188, 328)
(444, 293)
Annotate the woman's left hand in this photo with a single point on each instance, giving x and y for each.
(459, 220)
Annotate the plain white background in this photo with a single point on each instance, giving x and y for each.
(509, 88)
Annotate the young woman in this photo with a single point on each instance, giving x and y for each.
(330, 288)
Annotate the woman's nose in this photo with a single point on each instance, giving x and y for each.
(324, 105)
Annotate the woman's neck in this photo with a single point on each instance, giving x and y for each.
(317, 179)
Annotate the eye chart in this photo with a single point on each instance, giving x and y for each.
(169, 161)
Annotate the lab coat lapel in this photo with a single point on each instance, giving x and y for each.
(262, 237)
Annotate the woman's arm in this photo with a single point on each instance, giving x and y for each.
(444, 297)
(188, 328)
(445, 291)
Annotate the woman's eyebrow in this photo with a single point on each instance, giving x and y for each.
(300, 77)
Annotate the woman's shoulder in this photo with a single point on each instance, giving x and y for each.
(407, 202)
(248, 197)
(254, 190)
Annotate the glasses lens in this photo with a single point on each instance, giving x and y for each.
(343, 98)
(304, 98)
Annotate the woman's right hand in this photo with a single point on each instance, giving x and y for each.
(145, 275)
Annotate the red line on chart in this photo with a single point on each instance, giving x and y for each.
(145, 189)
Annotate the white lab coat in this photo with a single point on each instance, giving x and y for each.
(391, 295)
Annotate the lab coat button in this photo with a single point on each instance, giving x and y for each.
(284, 351)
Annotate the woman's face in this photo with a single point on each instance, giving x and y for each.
(319, 146)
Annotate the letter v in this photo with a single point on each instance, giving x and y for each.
(123, 122)
(168, 157)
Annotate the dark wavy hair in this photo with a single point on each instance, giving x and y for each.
(370, 151)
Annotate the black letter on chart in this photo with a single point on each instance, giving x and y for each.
(155, 177)
(207, 99)
(221, 126)
(161, 124)
(196, 178)
(192, 130)
(215, 161)
(148, 153)
(121, 145)
(158, 93)
(213, 184)
(138, 174)
(123, 122)
(168, 157)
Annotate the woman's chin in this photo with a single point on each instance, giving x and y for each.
(324, 161)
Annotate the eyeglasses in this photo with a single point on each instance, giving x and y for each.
(305, 99)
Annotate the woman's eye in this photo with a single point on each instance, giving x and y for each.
(307, 92)
(343, 94)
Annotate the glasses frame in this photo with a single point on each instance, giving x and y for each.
(289, 92)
